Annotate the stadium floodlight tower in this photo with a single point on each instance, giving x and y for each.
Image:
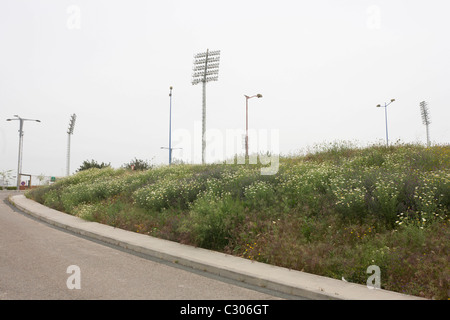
(206, 69)
(426, 119)
(19, 162)
(69, 133)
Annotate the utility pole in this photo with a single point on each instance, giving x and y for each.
(69, 133)
(206, 69)
(19, 161)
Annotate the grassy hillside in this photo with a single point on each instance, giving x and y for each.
(333, 212)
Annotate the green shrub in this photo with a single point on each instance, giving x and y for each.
(211, 220)
(258, 195)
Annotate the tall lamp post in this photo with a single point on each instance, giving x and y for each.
(206, 69)
(69, 133)
(385, 116)
(170, 128)
(246, 121)
(19, 161)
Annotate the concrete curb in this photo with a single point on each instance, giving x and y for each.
(263, 275)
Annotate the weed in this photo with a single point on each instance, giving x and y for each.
(333, 212)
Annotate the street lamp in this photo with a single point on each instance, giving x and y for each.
(246, 121)
(69, 133)
(19, 161)
(385, 115)
(206, 69)
(170, 129)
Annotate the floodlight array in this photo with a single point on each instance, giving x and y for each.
(206, 67)
(208, 79)
(201, 67)
(72, 124)
(207, 73)
(209, 53)
(425, 114)
(209, 60)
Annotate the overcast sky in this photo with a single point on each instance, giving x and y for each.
(322, 66)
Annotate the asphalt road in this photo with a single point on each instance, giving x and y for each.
(41, 262)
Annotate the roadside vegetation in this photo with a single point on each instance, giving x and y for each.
(333, 212)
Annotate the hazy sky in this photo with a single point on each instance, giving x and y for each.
(322, 66)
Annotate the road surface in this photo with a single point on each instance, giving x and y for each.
(41, 262)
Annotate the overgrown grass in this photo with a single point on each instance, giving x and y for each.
(333, 212)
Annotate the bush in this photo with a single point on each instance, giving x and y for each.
(92, 164)
(211, 220)
(332, 213)
(167, 192)
(138, 165)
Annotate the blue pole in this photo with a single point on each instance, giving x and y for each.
(170, 128)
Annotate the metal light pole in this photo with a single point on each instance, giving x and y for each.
(206, 69)
(246, 121)
(426, 119)
(69, 133)
(170, 128)
(385, 115)
(19, 161)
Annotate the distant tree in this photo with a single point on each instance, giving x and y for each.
(41, 178)
(92, 164)
(137, 164)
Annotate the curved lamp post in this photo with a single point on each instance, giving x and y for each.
(385, 115)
